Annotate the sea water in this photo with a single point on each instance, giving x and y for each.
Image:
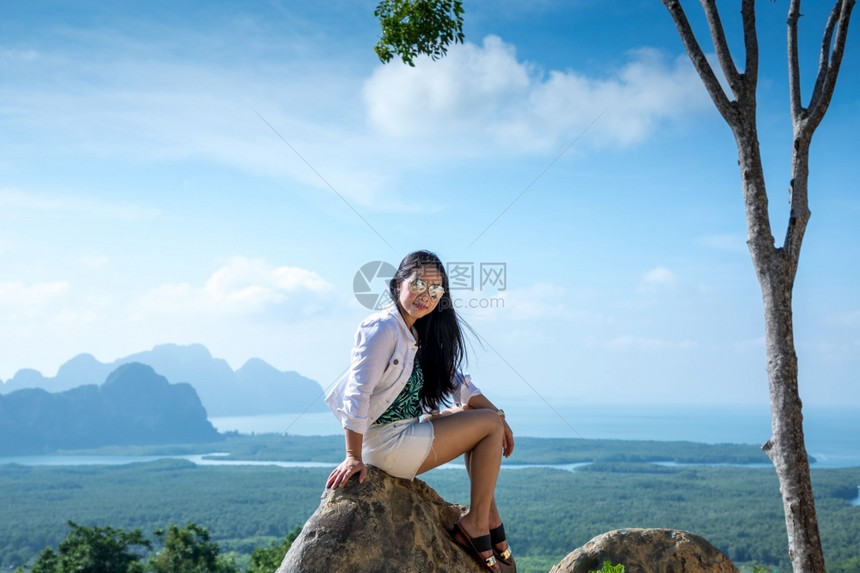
(832, 433)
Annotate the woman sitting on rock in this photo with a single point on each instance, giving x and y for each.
(405, 366)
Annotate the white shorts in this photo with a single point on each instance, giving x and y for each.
(398, 448)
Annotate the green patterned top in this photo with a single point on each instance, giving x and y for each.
(408, 402)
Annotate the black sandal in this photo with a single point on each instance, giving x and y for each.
(474, 546)
(505, 557)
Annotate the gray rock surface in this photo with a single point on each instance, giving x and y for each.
(392, 525)
(383, 525)
(648, 551)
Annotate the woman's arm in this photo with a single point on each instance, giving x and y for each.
(351, 465)
(479, 401)
(375, 343)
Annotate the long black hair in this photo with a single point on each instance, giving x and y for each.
(442, 348)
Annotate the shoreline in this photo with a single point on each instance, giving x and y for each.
(325, 451)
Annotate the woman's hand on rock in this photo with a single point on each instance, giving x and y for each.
(347, 468)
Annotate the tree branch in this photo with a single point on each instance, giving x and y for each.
(795, 100)
(805, 121)
(721, 46)
(824, 57)
(828, 72)
(750, 45)
(700, 62)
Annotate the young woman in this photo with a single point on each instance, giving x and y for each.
(405, 366)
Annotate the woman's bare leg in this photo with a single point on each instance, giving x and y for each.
(495, 517)
(480, 433)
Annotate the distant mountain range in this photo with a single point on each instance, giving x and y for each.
(255, 388)
(133, 406)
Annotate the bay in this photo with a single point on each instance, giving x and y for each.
(113, 460)
(832, 433)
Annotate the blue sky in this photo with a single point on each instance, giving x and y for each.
(218, 172)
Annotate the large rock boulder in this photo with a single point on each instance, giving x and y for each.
(648, 551)
(383, 525)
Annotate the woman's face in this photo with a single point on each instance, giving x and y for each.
(416, 305)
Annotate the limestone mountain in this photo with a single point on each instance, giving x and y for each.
(133, 406)
(256, 388)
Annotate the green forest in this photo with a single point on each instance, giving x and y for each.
(548, 512)
(529, 450)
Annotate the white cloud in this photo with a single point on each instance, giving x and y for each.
(658, 278)
(146, 107)
(467, 89)
(17, 293)
(243, 286)
(485, 92)
(245, 307)
(44, 310)
(25, 300)
(167, 111)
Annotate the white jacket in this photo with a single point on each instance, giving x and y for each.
(382, 360)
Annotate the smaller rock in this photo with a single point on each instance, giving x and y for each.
(648, 551)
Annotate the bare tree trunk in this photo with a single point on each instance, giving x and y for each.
(787, 448)
(776, 267)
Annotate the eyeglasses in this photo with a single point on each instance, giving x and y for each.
(417, 286)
